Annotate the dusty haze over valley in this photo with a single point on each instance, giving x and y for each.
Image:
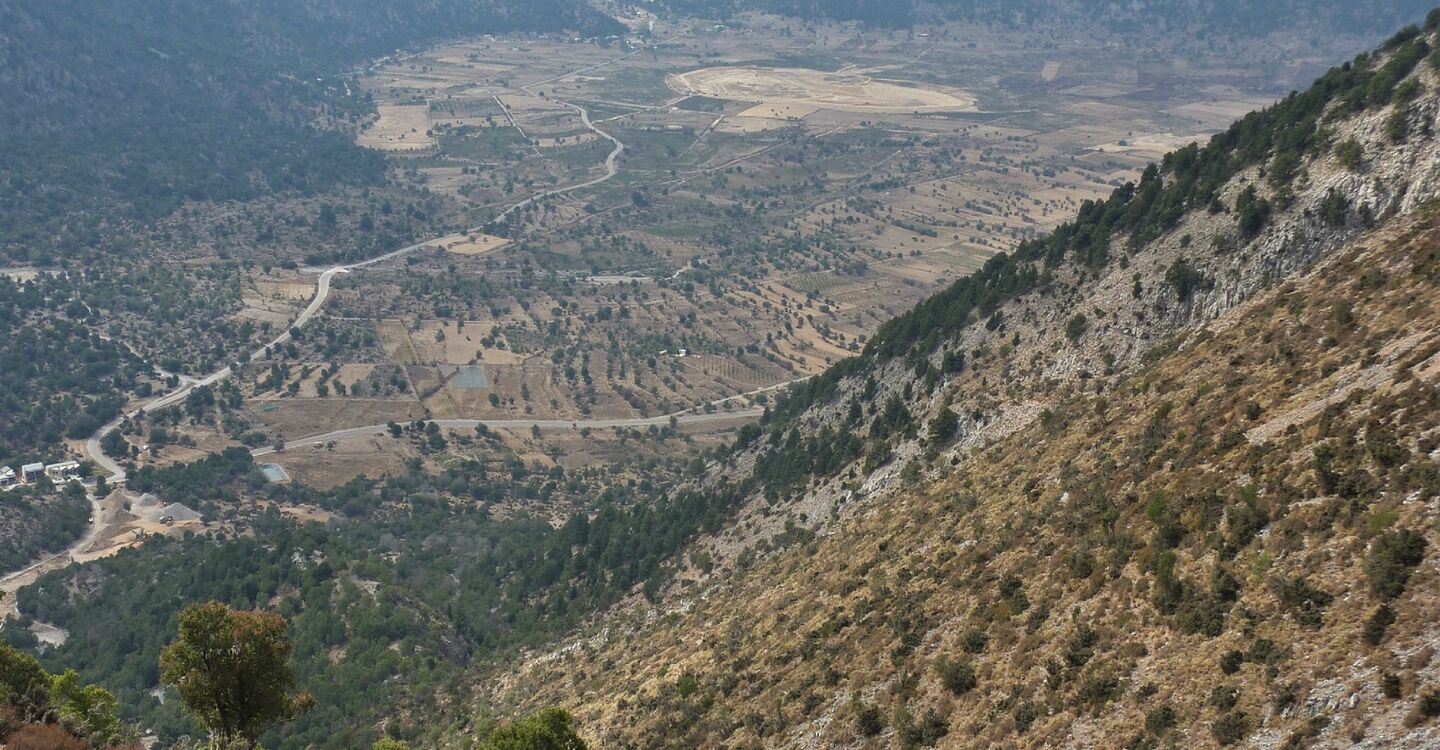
(719, 373)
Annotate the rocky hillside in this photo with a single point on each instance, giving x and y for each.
(1167, 478)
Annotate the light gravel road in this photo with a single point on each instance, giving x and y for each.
(349, 433)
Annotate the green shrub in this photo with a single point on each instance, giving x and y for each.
(1231, 662)
(548, 729)
(1025, 716)
(24, 685)
(1231, 728)
(1305, 602)
(1302, 737)
(1392, 556)
(943, 427)
(1397, 125)
(869, 721)
(1430, 704)
(1334, 208)
(1350, 154)
(925, 733)
(1390, 686)
(1253, 210)
(1224, 697)
(957, 676)
(1378, 622)
(1160, 720)
(1012, 590)
(1081, 563)
(1098, 690)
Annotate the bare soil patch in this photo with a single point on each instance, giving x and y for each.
(852, 91)
(400, 127)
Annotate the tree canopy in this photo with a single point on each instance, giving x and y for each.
(232, 671)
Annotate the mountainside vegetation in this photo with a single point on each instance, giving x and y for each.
(1236, 539)
(1158, 515)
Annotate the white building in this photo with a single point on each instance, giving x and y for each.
(32, 472)
(7, 477)
(63, 471)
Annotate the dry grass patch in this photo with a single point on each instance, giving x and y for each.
(843, 90)
(399, 127)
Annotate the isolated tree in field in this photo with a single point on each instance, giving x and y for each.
(233, 673)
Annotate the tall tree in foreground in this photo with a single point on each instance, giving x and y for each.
(233, 673)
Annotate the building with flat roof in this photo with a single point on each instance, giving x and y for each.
(32, 472)
(7, 477)
(63, 471)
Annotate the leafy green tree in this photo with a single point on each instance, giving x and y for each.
(233, 673)
(91, 708)
(549, 729)
(390, 744)
(24, 686)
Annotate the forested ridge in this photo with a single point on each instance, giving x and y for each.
(428, 583)
(119, 110)
(1221, 17)
(57, 377)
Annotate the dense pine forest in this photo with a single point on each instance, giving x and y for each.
(118, 112)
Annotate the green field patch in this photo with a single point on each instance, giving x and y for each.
(482, 143)
(706, 104)
(656, 149)
(815, 283)
(477, 107)
(681, 230)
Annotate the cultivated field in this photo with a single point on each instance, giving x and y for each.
(399, 127)
(845, 90)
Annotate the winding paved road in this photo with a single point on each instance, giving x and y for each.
(96, 452)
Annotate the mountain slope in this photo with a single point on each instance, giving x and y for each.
(1232, 516)
(1091, 472)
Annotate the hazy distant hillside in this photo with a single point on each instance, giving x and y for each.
(144, 103)
(1220, 15)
